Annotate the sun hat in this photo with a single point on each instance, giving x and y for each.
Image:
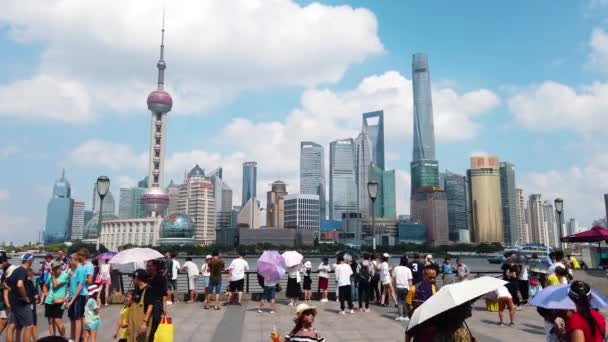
(27, 257)
(55, 264)
(208, 257)
(429, 256)
(300, 309)
(308, 264)
(386, 255)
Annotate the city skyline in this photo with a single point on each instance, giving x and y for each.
(503, 107)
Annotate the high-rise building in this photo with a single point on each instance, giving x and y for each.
(59, 213)
(173, 191)
(536, 220)
(424, 173)
(606, 205)
(508, 195)
(363, 163)
(486, 218)
(385, 204)
(524, 231)
(550, 224)
(77, 221)
(130, 203)
(109, 205)
(250, 215)
(430, 208)
(312, 173)
(196, 199)
(155, 201)
(424, 130)
(342, 185)
(455, 187)
(302, 212)
(373, 125)
(275, 205)
(571, 227)
(250, 178)
(223, 200)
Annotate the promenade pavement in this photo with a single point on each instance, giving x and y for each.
(243, 323)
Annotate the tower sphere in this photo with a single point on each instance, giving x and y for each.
(159, 101)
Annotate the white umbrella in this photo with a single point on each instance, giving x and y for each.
(450, 296)
(135, 255)
(292, 258)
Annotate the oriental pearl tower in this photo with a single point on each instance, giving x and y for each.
(155, 200)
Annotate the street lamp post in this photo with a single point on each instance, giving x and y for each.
(103, 186)
(372, 190)
(559, 208)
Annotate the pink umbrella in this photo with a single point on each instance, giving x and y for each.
(271, 266)
(105, 256)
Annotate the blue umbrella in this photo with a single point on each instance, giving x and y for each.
(556, 298)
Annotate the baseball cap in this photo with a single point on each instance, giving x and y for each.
(140, 274)
(386, 255)
(208, 257)
(429, 256)
(55, 263)
(308, 264)
(27, 257)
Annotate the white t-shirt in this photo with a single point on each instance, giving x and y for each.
(554, 266)
(191, 268)
(343, 273)
(175, 269)
(205, 270)
(237, 268)
(523, 274)
(324, 270)
(402, 276)
(384, 272)
(503, 292)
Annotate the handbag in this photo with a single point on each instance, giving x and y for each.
(164, 333)
(278, 288)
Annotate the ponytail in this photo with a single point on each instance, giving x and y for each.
(580, 293)
(584, 308)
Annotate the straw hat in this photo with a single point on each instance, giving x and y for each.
(300, 309)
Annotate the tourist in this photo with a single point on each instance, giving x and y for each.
(447, 271)
(575, 264)
(32, 292)
(88, 266)
(55, 291)
(428, 261)
(505, 300)
(558, 277)
(554, 324)
(78, 295)
(216, 267)
(343, 273)
(92, 321)
(303, 331)
(364, 275)
(64, 260)
(157, 295)
(293, 284)
(192, 271)
(105, 271)
(375, 282)
(268, 294)
(354, 280)
(386, 280)
(122, 328)
(585, 324)
(462, 270)
(45, 270)
(448, 326)
(307, 285)
(402, 276)
(141, 310)
(523, 283)
(205, 274)
(237, 269)
(419, 294)
(417, 268)
(509, 274)
(173, 268)
(3, 307)
(324, 270)
(4, 265)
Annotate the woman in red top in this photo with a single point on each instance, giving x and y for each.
(586, 324)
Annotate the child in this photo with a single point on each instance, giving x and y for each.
(505, 301)
(32, 292)
(91, 314)
(122, 331)
(307, 281)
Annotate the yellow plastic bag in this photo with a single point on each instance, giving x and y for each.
(491, 305)
(164, 333)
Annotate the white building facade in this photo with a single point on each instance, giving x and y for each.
(77, 221)
(138, 232)
(302, 212)
(196, 199)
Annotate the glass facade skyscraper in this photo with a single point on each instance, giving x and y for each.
(373, 125)
(59, 213)
(250, 178)
(424, 173)
(455, 186)
(342, 185)
(130, 203)
(385, 204)
(486, 213)
(363, 162)
(509, 198)
(312, 173)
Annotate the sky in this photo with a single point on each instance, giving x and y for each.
(525, 81)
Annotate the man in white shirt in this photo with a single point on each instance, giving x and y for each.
(237, 269)
(192, 271)
(402, 276)
(343, 273)
(173, 269)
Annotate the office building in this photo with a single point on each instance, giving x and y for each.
(177, 229)
(455, 187)
(342, 185)
(385, 204)
(116, 232)
(196, 199)
(130, 203)
(536, 220)
(522, 209)
(59, 213)
(275, 205)
(351, 228)
(606, 206)
(508, 195)
(250, 178)
(373, 125)
(410, 232)
(302, 212)
(550, 222)
(312, 173)
(250, 215)
(424, 173)
(363, 162)
(430, 208)
(571, 227)
(172, 191)
(486, 217)
(222, 194)
(109, 206)
(77, 221)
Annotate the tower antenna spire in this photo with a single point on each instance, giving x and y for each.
(161, 65)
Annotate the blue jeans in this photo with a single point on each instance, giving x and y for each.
(269, 293)
(214, 284)
(401, 297)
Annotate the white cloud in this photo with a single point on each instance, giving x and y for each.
(581, 187)
(4, 195)
(101, 154)
(598, 56)
(214, 49)
(7, 151)
(553, 105)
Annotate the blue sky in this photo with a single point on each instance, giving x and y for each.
(523, 81)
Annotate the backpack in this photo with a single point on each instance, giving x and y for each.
(364, 273)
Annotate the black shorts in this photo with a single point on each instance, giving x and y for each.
(76, 311)
(21, 315)
(53, 310)
(237, 286)
(172, 284)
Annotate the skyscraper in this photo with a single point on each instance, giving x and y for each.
(385, 204)
(77, 221)
(550, 224)
(606, 205)
(424, 131)
(524, 231)
(250, 178)
(342, 185)
(275, 205)
(155, 200)
(363, 164)
(430, 207)
(508, 195)
(536, 220)
(571, 227)
(312, 173)
(130, 203)
(302, 212)
(455, 187)
(486, 219)
(59, 213)
(109, 205)
(373, 125)
(196, 199)
(173, 191)
(222, 194)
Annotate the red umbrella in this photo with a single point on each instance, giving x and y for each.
(595, 234)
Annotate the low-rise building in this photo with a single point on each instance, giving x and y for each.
(138, 232)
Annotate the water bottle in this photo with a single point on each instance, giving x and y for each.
(274, 335)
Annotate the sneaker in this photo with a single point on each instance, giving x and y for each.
(406, 319)
(342, 313)
(511, 324)
(517, 308)
(502, 324)
(272, 312)
(260, 311)
(324, 300)
(398, 318)
(290, 304)
(352, 311)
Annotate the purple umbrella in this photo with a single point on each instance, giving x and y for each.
(556, 297)
(271, 266)
(105, 256)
